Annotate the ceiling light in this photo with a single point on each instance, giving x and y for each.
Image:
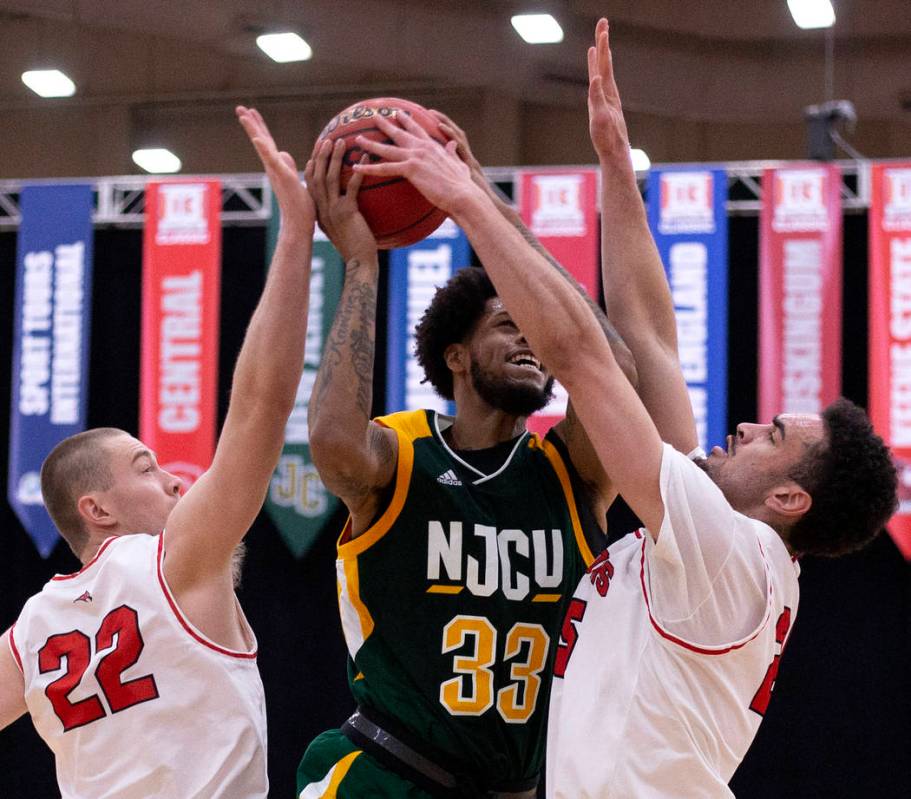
(812, 13)
(538, 28)
(49, 83)
(284, 47)
(640, 159)
(157, 160)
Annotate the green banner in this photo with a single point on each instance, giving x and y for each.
(298, 503)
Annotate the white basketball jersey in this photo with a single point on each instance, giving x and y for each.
(134, 701)
(669, 651)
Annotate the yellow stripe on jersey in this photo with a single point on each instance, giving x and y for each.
(413, 424)
(547, 597)
(327, 788)
(357, 623)
(560, 469)
(375, 532)
(445, 589)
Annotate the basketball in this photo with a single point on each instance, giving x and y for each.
(397, 213)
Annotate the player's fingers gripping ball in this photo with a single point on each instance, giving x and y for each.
(397, 213)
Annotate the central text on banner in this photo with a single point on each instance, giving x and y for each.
(181, 280)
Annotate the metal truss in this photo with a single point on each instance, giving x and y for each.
(247, 201)
(120, 201)
(744, 182)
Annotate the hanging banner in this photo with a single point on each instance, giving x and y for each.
(890, 329)
(50, 342)
(181, 277)
(560, 209)
(415, 273)
(298, 503)
(688, 219)
(799, 290)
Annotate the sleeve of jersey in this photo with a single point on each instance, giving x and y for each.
(13, 648)
(706, 579)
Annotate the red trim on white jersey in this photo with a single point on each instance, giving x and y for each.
(104, 545)
(718, 650)
(14, 649)
(184, 622)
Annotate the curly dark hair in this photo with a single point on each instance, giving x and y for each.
(449, 319)
(852, 480)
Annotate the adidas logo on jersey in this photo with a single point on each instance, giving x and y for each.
(448, 478)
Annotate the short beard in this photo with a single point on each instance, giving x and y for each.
(516, 399)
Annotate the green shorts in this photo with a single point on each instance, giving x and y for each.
(334, 768)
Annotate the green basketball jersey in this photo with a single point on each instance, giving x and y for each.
(451, 602)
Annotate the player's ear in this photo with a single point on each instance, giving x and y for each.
(456, 357)
(789, 500)
(94, 511)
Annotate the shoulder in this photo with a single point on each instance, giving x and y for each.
(413, 424)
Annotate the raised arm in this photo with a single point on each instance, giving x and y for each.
(207, 524)
(12, 687)
(559, 325)
(636, 292)
(573, 434)
(354, 456)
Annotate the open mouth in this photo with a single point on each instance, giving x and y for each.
(526, 359)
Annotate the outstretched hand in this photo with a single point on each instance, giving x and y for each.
(434, 170)
(339, 216)
(297, 209)
(605, 113)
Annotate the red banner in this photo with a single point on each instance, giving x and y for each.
(799, 290)
(890, 328)
(560, 208)
(180, 312)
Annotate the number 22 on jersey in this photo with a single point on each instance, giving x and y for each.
(119, 629)
(471, 691)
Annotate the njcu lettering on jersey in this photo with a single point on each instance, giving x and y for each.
(451, 602)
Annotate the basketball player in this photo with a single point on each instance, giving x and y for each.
(671, 644)
(139, 670)
(466, 534)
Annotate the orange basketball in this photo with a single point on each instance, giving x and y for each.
(397, 213)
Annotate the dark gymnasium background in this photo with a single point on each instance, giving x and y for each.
(840, 721)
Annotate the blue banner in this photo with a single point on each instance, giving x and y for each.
(415, 273)
(50, 342)
(686, 212)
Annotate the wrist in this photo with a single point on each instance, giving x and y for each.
(470, 204)
(294, 236)
(359, 261)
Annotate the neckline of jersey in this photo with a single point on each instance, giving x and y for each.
(482, 477)
(102, 548)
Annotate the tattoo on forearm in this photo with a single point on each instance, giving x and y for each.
(351, 342)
